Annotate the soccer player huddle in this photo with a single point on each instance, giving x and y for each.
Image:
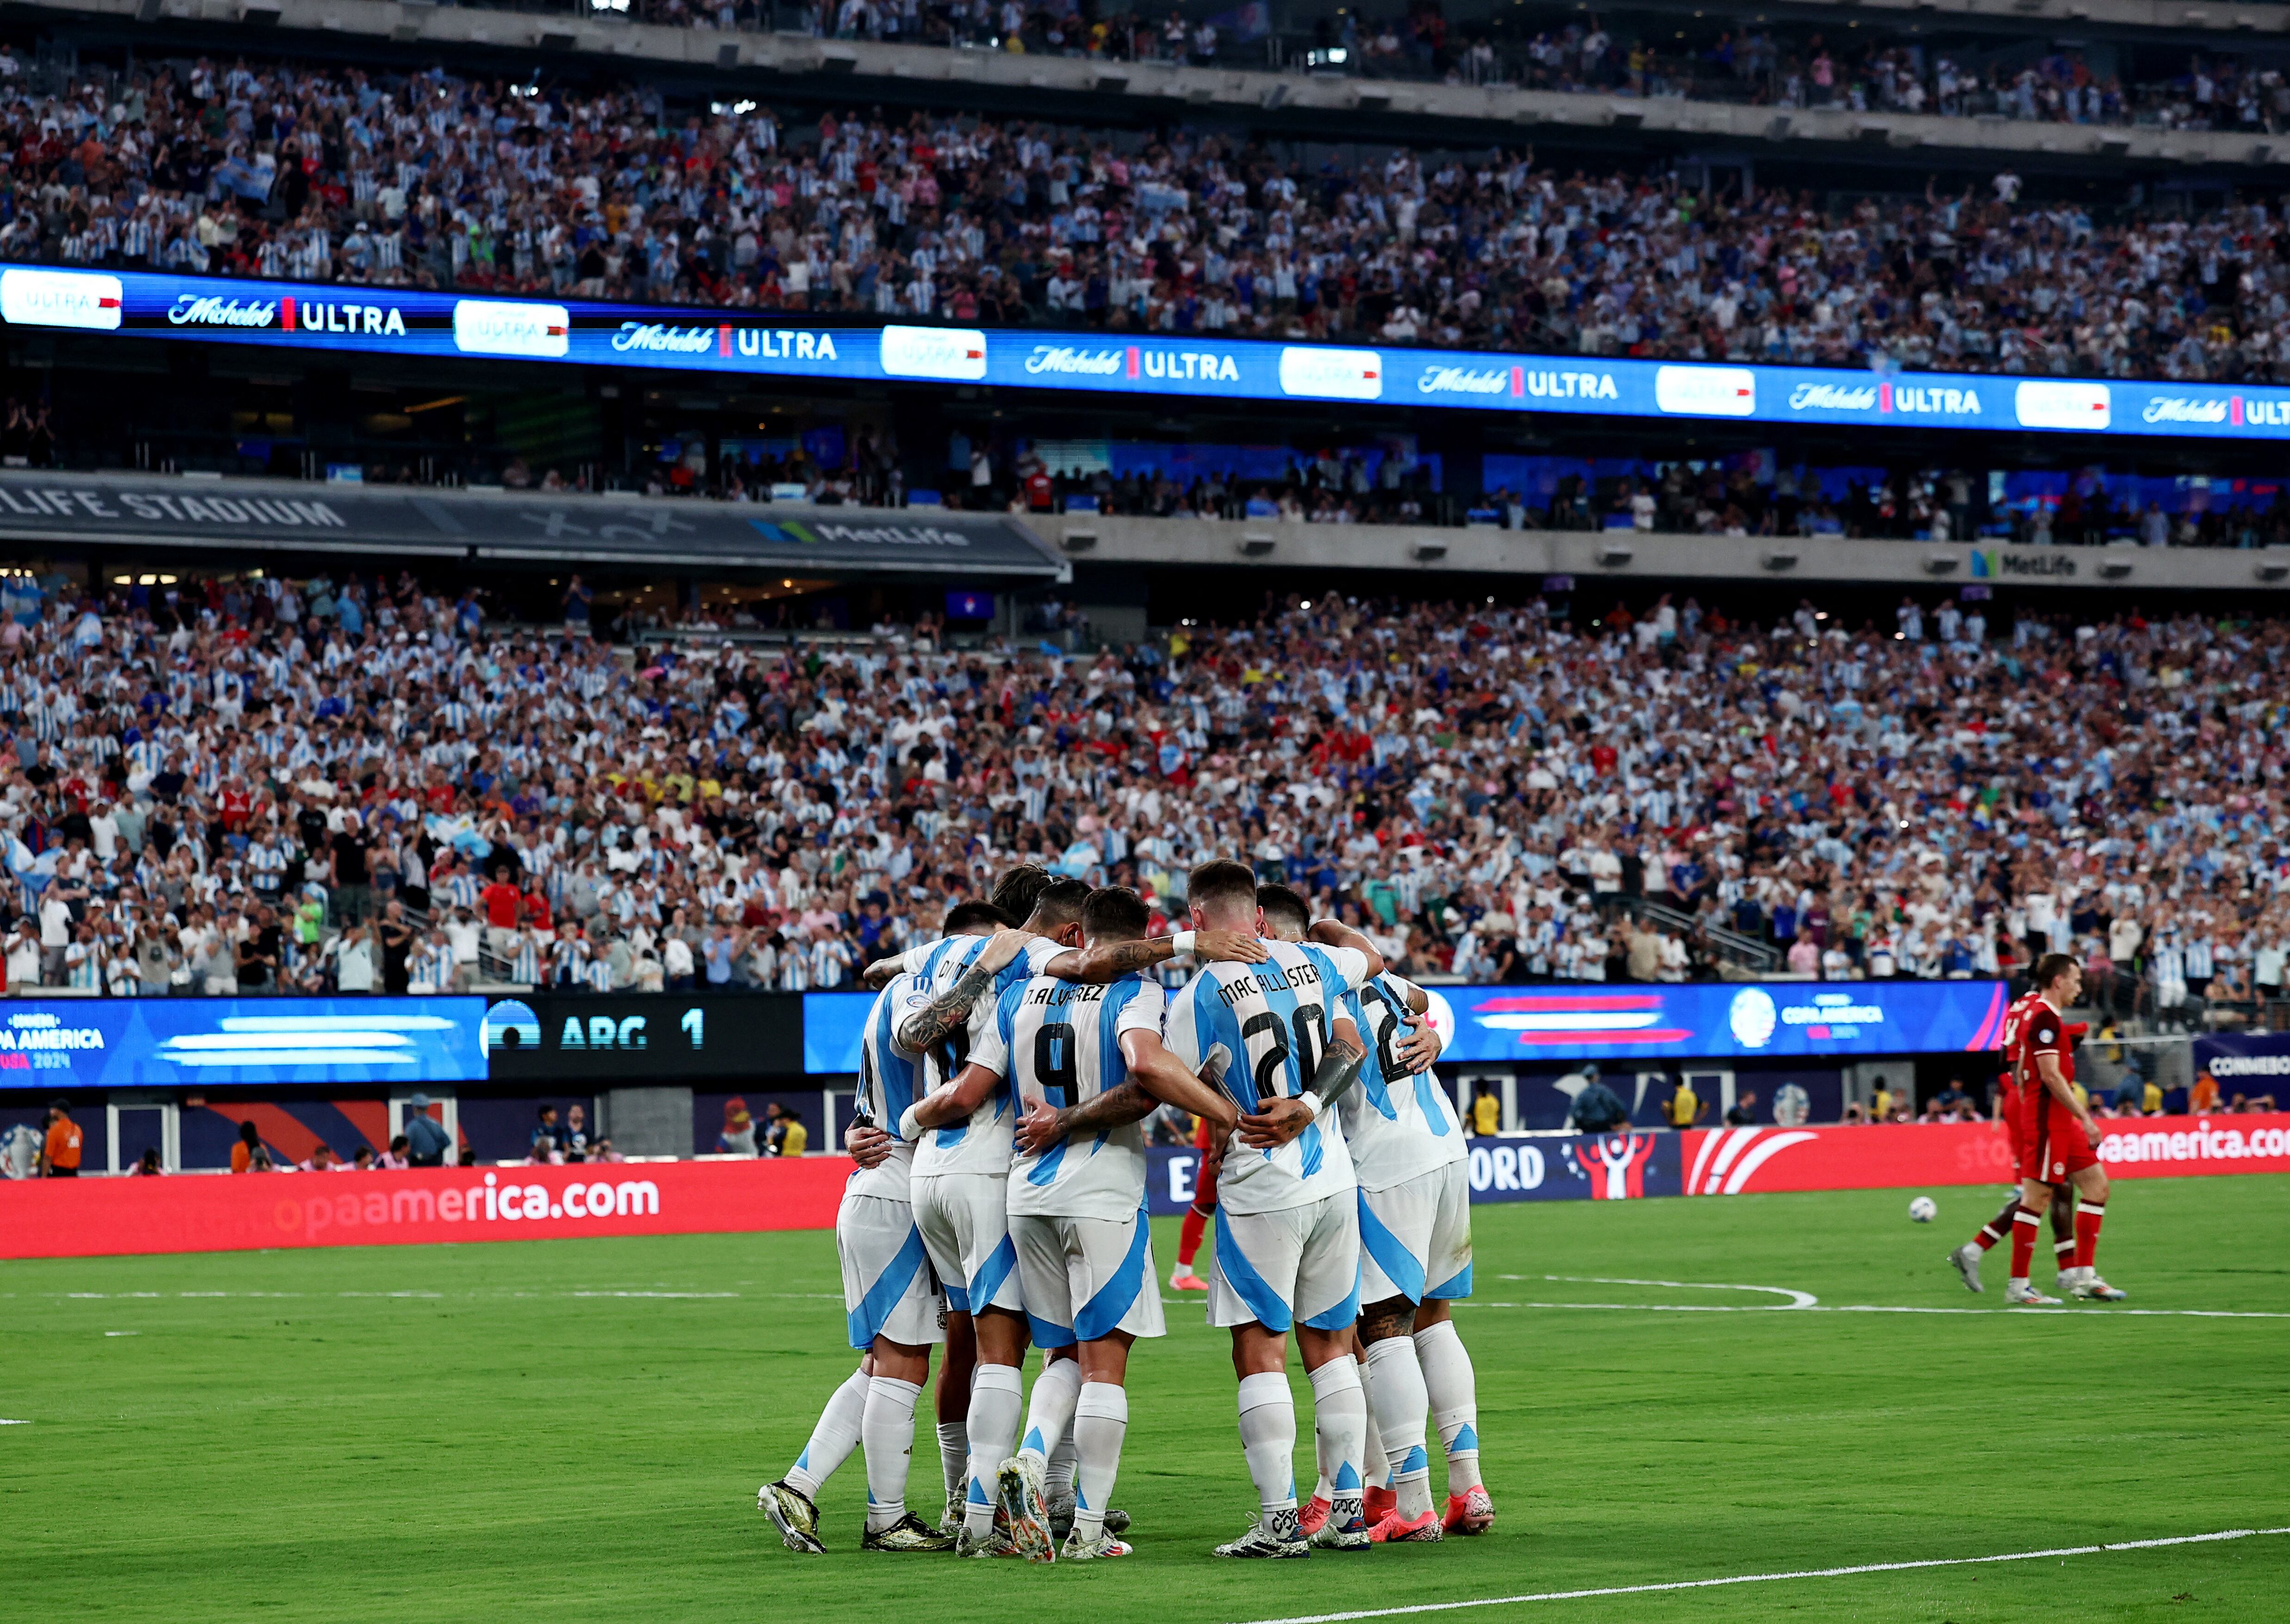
(1006, 1072)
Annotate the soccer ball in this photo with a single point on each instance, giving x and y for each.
(1924, 1209)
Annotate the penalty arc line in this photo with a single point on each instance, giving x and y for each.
(1763, 1578)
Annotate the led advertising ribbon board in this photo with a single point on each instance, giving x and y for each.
(399, 322)
(1579, 1021)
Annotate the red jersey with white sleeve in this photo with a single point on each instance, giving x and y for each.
(2012, 1107)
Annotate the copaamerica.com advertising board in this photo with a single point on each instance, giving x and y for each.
(127, 305)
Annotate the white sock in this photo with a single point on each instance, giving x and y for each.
(1058, 1482)
(1340, 1424)
(1268, 1438)
(1100, 1422)
(889, 1431)
(1455, 1395)
(954, 1455)
(1397, 1395)
(1373, 1467)
(833, 1439)
(996, 1399)
(1050, 1409)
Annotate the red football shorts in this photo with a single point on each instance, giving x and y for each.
(2014, 1134)
(2056, 1147)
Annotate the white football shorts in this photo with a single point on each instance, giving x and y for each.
(1300, 1263)
(964, 1220)
(888, 1288)
(1085, 1278)
(1415, 1237)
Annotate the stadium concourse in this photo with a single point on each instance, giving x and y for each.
(436, 178)
(351, 784)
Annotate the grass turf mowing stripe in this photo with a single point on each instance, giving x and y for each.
(1766, 1579)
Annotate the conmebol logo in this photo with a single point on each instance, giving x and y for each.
(1332, 374)
(34, 298)
(953, 355)
(2056, 404)
(1706, 391)
(491, 327)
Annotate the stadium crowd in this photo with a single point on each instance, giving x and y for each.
(1762, 64)
(263, 785)
(433, 180)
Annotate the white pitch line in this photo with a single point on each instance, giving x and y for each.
(1874, 1308)
(1766, 1579)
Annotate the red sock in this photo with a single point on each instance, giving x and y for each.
(1188, 1237)
(2063, 1254)
(2025, 1222)
(2089, 1216)
(1987, 1239)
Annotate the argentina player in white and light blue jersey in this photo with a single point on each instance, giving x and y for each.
(1414, 1198)
(894, 1310)
(961, 1169)
(1287, 1236)
(1091, 1055)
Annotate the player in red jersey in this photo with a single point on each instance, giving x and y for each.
(1966, 1257)
(2058, 1140)
(1209, 1143)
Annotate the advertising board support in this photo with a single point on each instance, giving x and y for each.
(646, 1120)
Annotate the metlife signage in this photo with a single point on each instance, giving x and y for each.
(152, 510)
(132, 304)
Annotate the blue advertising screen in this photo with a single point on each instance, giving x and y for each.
(1577, 1020)
(116, 1042)
(400, 322)
(832, 1022)
(1610, 1020)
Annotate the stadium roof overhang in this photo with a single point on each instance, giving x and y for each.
(671, 534)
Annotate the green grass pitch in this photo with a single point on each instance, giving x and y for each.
(575, 1429)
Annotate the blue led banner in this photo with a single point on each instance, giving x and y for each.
(117, 1043)
(1700, 1020)
(1579, 1021)
(390, 321)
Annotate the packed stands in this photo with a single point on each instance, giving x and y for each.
(1764, 63)
(432, 180)
(251, 783)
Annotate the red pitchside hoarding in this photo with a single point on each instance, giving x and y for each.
(81, 1218)
(1757, 1161)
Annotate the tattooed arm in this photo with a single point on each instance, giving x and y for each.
(1156, 1077)
(947, 1014)
(1281, 1120)
(1110, 961)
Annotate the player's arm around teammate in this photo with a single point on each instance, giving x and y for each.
(1099, 964)
(949, 1013)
